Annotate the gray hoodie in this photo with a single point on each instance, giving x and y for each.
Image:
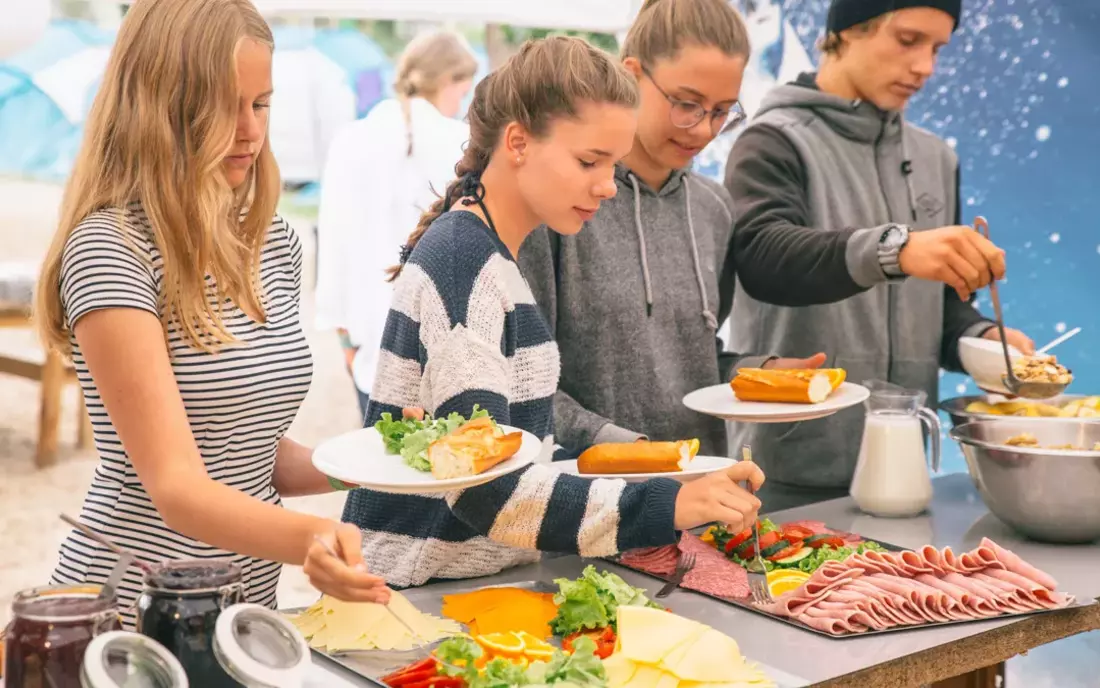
(633, 300)
(816, 179)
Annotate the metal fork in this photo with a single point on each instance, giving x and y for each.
(684, 564)
(758, 578)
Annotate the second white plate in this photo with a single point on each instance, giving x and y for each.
(719, 401)
(700, 466)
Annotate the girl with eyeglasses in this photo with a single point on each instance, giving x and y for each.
(634, 300)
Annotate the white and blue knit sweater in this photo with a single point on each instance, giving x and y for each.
(463, 329)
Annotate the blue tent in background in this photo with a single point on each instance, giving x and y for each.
(34, 132)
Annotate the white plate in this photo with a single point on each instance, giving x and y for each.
(719, 401)
(360, 458)
(700, 466)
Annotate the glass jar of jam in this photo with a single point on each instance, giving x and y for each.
(179, 608)
(50, 630)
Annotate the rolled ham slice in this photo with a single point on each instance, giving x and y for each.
(1014, 563)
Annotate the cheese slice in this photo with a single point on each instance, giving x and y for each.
(656, 649)
(647, 635)
(334, 625)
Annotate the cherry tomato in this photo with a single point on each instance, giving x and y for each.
(796, 532)
(748, 551)
(737, 540)
(787, 551)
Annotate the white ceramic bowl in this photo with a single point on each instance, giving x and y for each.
(983, 360)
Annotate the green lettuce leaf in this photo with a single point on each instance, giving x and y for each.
(591, 601)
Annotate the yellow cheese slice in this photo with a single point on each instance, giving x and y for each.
(647, 635)
(334, 625)
(619, 669)
(710, 656)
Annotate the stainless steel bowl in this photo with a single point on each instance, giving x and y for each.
(955, 408)
(1049, 495)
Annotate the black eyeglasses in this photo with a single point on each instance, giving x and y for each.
(685, 114)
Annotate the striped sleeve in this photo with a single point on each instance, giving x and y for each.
(544, 509)
(106, 263)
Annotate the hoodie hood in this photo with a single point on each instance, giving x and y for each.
(857, 120)
(625, 179)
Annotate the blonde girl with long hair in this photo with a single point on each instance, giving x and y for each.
(175, 288)
(382, 172)
(546, 130)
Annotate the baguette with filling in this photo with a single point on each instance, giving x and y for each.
(786, 386)
(473, 448)
(637, 457)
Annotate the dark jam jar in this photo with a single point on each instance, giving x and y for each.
(50, 630)
(180, 607)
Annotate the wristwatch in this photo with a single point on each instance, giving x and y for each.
(893, 240)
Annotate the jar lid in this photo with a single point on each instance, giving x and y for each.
(192, 575)
(123, 659)
(259, 647)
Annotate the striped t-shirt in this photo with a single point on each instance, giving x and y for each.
(464, 329)
(239, 402)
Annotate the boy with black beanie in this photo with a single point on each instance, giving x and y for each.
(843, 203)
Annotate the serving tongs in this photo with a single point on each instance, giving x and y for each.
(1026, 389)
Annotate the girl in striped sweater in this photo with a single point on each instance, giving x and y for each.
(545, 132)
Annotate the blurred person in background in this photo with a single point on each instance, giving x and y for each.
(382, 173)
(176, 290)
(847, 208)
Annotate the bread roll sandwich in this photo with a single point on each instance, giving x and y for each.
(787, 386)
(473, 448)
(637, 457)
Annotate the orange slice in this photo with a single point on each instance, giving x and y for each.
(535, 648)
(502, 644)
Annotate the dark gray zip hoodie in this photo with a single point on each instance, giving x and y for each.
(815, 180)
(633, 300)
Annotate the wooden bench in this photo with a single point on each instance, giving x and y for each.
(53, 373)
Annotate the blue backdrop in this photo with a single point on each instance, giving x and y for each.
(1015, 94)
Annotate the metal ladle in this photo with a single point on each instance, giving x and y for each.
(1022, 388)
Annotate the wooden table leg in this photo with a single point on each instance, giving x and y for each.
(987, 677)
(49, 417)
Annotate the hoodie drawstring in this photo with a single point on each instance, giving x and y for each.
(907, 172)
(641, 242)
(707, 315)
(711, 320)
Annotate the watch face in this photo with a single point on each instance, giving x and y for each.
(893, 237)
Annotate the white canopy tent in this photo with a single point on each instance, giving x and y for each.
(608, 16)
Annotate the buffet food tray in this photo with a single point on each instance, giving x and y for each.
(374, 664)
(747, 604)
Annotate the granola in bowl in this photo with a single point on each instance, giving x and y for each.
(1026, 439)
(1043, 368)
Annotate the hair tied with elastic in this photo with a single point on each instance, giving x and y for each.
(469, 190)
(406, 251)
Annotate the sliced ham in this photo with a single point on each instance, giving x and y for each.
(1015, 564)
(973, 605)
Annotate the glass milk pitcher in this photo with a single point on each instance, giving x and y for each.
(892, 477)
